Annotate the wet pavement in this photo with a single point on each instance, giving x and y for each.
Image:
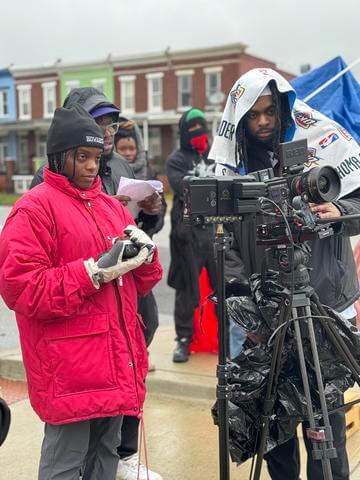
(182, 442)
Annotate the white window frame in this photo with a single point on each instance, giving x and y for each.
(4, 153)
(152, 107)
(71, 84)
(23, 91)
(4, 102)
(181, 74)
(127, 93)
(99, 83)
(22, 183)
(49, 96)
(210, 71)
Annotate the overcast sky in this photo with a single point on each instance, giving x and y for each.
(289, 32)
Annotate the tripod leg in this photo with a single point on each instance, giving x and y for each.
(303, 369)
(222, 391)
(327, 446)
(272, 385)
(337, 341)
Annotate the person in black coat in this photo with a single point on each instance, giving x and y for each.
(191, 248)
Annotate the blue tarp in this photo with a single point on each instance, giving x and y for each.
(339, 101)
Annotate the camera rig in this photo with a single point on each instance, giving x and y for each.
(285, 199)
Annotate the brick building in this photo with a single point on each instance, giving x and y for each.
(156, 89)
(153, 89)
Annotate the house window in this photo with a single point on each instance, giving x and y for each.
(41, 147)
(127, 102)
(23, 165)
(155, 149)
(3, 155)
(184, 83)
(155, 91)
(212, 83)
(49, 98)
(24, 92)
(99, 83)
(4, 103)
(71, 84)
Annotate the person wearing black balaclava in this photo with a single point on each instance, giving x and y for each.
(191, 248)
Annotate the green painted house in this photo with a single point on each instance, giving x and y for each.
(89, 75)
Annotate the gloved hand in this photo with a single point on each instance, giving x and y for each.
(112, 265)
(140, 239)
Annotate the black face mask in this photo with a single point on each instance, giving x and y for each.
(186, 136)
(198, 132)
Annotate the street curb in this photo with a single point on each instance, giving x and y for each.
(161, 381)
(170, 383)
(11, 365)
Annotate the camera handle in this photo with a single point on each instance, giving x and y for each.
(222, 242)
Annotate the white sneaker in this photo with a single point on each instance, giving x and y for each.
(128, 470)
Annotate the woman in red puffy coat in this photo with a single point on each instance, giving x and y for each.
(81, 338)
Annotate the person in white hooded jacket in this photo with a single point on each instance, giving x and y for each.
(262, 111)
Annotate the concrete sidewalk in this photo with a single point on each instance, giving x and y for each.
(182, 441)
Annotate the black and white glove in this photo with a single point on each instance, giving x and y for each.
(113, 264)
(141, 239)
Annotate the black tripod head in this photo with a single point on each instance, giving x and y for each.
(290, 261)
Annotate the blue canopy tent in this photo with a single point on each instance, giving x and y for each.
(339, 100)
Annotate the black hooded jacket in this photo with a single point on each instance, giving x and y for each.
(185, 240)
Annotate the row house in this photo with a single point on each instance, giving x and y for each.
(98, 75)
(7, 117)
(153, 89)
(33, 94)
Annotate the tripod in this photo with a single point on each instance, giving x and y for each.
(223, 373)
(302, 303)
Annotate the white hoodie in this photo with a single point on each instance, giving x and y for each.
(328, 142)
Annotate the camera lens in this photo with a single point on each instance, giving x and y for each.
(324, 184)
(317, 185)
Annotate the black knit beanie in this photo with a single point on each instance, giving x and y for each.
(72, 128)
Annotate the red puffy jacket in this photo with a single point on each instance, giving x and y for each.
(83, 348)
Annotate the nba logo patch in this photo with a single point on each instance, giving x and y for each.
(325, 142)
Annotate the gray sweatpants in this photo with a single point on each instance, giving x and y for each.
(90, 446)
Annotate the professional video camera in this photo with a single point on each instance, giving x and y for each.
(286, 198)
